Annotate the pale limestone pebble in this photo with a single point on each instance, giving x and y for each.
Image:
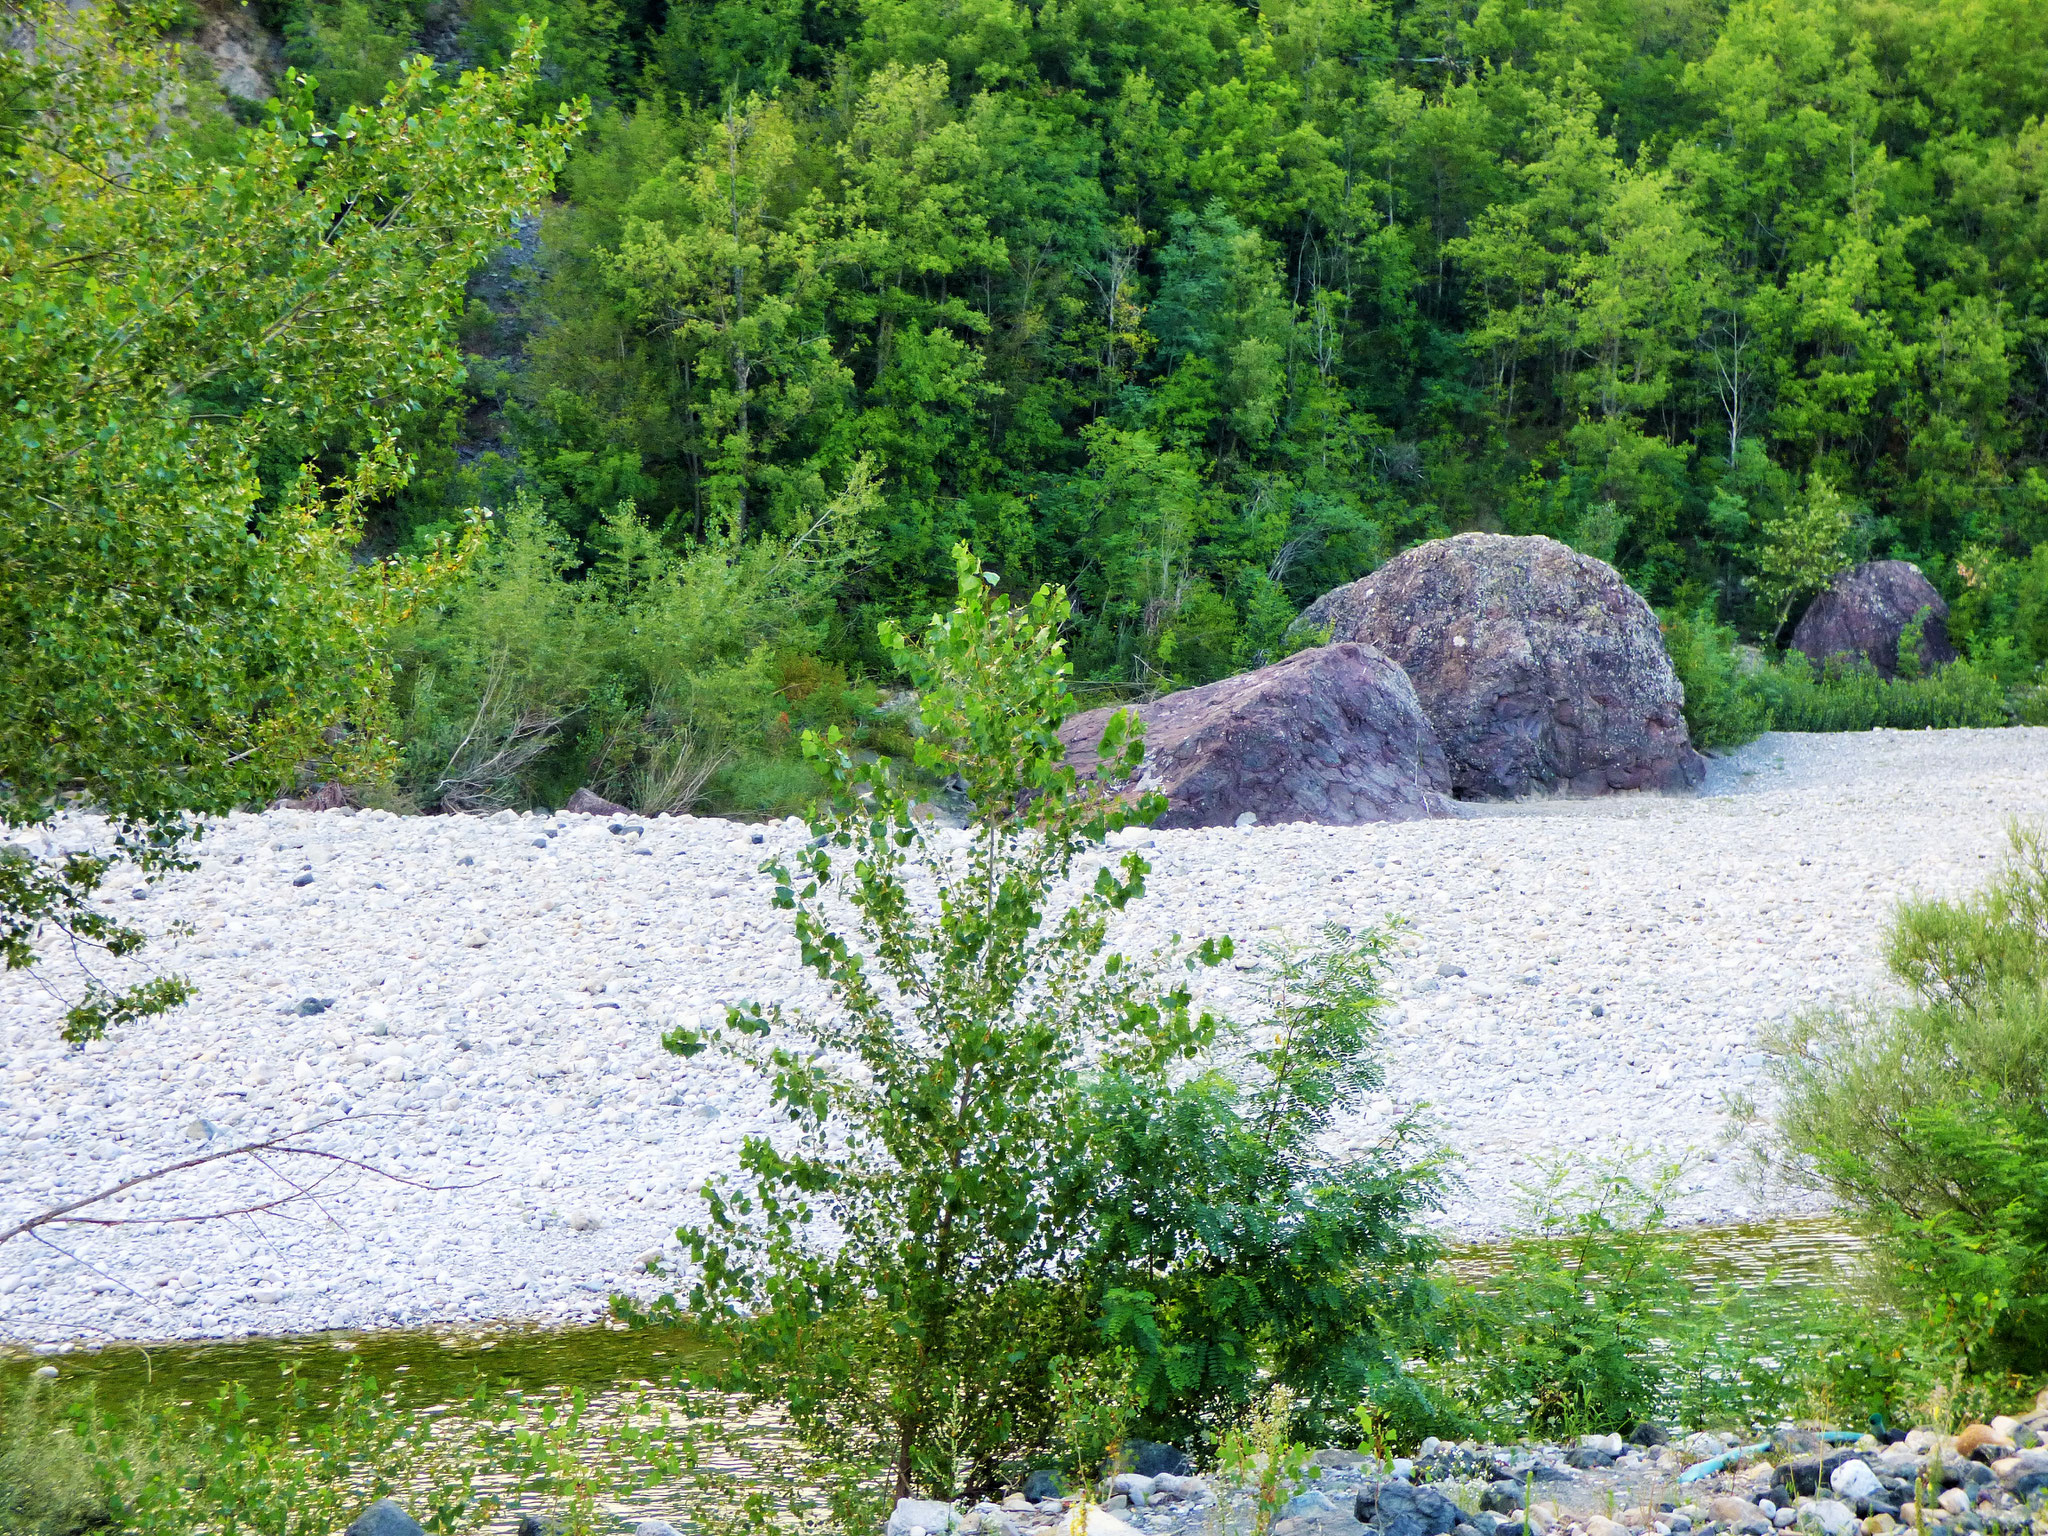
(1573, 976)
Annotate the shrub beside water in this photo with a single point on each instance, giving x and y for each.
(1929, 1120)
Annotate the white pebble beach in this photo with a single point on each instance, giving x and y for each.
(1576, 977)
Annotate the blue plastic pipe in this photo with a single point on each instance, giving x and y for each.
(1709, 1467)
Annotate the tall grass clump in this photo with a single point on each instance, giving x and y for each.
(658, 677)
(1928, 1120)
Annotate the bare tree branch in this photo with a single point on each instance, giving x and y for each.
(277, 1145)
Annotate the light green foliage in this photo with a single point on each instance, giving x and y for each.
(1927, 1120)
(178, 634)
(1261, 1460)
(1021, 1093)
(1563, 1337)
(309, 1464)
(920, 1342)
(1844, 696)
(1804, 549)
(644, 680)
(1097, 1400)
(1724, 705)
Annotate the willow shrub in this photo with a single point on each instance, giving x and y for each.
(1929, 1119)
(657, 675)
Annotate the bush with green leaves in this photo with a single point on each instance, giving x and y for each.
(1928, 1120)
(1563, 1337)
(1724, 705)
(1593, 1320)
(182, 627)
(1852, 696)
(1230, 1246)
(650, 676)
(964, 1199)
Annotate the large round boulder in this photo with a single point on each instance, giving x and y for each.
(1538, 666)
(1331, 735)
(1865, 612)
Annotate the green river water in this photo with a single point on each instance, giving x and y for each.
(597, 1358)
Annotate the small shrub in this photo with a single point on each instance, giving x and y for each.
(1260, 1461)
(1852, 696)
(1724, 704)
(1564, 1338)
(47, 1487)
(990, 1166)
(652, 677)
(1929, 1120)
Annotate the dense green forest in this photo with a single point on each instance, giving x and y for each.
(1198, 308)
(1203, 307)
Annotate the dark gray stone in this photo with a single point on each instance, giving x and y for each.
(1503, 1497)
(1647, 1435)
(1332, 735)
(1150, 1458)
(1538, 666)
(1402, 1510)
(311, 1006)
(385, 1518)
(586, 802)
(1043, 1484)
(305, 879)
(542, 1525)
(1588, 1458)
(1864, 612)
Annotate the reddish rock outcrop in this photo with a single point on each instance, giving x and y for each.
(1331, 735)
(1539, 667)
(1864, 612)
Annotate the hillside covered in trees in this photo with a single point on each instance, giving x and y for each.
(1197, 308)
(1204, 307)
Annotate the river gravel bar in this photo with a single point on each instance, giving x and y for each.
(478, 1001)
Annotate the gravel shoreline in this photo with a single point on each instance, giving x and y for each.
(1578, 977)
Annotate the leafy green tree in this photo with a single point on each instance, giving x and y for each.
(1804, 549)
(984, 1118)
(178, 637)
(921, 1338)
